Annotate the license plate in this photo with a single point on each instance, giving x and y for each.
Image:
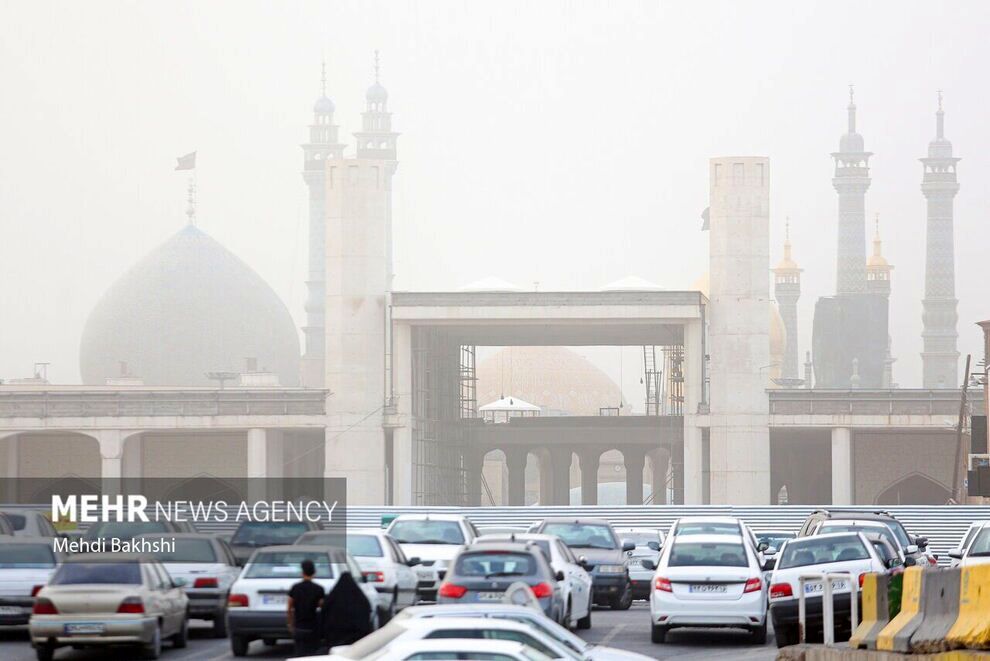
(707, 588)
(490, 596)
(815, 588)
(11, 610)
(425, 574)
(84, 628)
(274, 599)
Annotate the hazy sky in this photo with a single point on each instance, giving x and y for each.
(559, 142)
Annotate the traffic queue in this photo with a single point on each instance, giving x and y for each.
(438, 586)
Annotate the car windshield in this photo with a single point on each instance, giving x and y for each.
(822, 551)
(640, 538)
(883, 550)
(365, 546)
(124, 529)
(286, 564)
(427, 531)
(981, 544)
(26, 556)
(583, 535)
(188, 550)
(774, 539)
(495, 563)
(878, 528)
(899, 532)
(707, 528)
(18, 521)
(264, 533)
(87, 573)
(707, 554)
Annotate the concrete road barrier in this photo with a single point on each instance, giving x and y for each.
(972, 628)
(896, 636)
(940, 608)
(820, 653)
(876, 612)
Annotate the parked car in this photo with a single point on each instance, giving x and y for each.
(251, 535)
(259, 597)
(130, 530)
(482, 573)
(26, 565)
(601, 554)
(435, 539)
(527, 616)
(6, 526)
(29, 522)
(207, 568)
(865, 526)
(977, 551)
(956, 555)
(458, 648)
(716, 525)
(109, 599)
(648, 543)
(708, 580)
(834, 552)
(576, 583)
(408, 629)
(912, 547)
(382, 562)
(773, 539)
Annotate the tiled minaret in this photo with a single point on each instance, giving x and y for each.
(851, 181)
(787, 291)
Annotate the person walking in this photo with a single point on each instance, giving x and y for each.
(305, 600)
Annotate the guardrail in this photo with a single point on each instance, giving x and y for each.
(828, 608)
(902, 401)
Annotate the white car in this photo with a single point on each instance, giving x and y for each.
(207, 568)
(708, 580)
(575, 585)
(435, 539)
(977, 550)
(956, 555)
(401, 630)
(383, 563)
(648, 543)
(26, 565)
(459, 648)
(717, 525)
(256, 607)
(849, 552)
(530, 617)
(28, 522)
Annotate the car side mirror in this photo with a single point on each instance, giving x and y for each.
(908, 562)
(654, 546)
(648, 564)
(179, 582)
(762, 546)
(770, 552)
(628, 545)
(769, 564)
(956, 554)
(583, 561)
(412, 562)
(559, 575)
(922, 542)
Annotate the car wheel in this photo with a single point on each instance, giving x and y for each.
(658, 634)
(585, 622)
(624, 600)
(785, 636)
(385, 616)
(181, 639)
(239, 645)
(759, 634)
(153, 650)
(220, 625)
(45, 652)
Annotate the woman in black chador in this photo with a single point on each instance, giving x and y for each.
(346, 613)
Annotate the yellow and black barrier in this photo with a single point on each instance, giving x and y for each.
(940, 608)
(876, 611)
(972, 628)
(896, 636)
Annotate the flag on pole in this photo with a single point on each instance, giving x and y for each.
(187, 162)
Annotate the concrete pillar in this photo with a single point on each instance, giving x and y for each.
(842, 482)
(693, 465)
(9, 487)
(560, 463)
(589, 461)
(515, 462)
(659, 462)
(402, 450)
(111, 443)
(634, 460)
(474, 461)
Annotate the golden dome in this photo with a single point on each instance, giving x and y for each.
(787, 264)
(876, 261)
(552, 377)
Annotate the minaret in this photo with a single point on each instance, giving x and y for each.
(787, 291)
(376, 139)
(940, 358)
(878, 282)
(851, 180)
(323, 145)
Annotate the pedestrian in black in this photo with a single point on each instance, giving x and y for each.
(305, 600)
(346, 613)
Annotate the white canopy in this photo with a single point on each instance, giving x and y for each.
(632, 283)
(509, 404)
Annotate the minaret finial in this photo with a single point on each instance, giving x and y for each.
(940, 118)
(787, 229)
(323, 78)
(377, 66)
(852, 110)
(191, 198)
(939, 99)
(851, 93)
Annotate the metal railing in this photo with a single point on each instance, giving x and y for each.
(867, 402)
(828, 607)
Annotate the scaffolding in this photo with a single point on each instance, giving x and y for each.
(652, 375)
(673, 395)
(468, 383)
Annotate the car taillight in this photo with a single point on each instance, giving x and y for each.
(35, 590)
(44, 606)
(132, 605)
(206, 582)
(862, 578)
(374, 576)
(663, 584)
(452, 591)
(542, 590)
(238, 601)
(753, 585)
(781, 590)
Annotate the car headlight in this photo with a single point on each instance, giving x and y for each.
(611, 569)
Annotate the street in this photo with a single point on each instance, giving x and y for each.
(628, 630)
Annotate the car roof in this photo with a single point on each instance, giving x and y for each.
(489, 547)
(774, 531)
(707, 538)
(876, 515)
(486, 645)
(110, 558)
(468, 622)
(828, 535)
(430, 517)
(865, 523)
(509, 537)
(708, 519)
(585, 520)
(336, 554)
(651, 531)
(378, 532)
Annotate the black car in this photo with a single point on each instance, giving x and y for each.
(601, 553)
(251, 535)
(911, 547)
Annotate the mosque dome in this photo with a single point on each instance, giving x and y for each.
(377, 93)
(189, 307)
(324, 105)
(554, 378)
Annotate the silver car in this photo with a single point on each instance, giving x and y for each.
(109, 599)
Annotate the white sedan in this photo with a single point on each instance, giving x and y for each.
(459, 648)
(708, 580)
